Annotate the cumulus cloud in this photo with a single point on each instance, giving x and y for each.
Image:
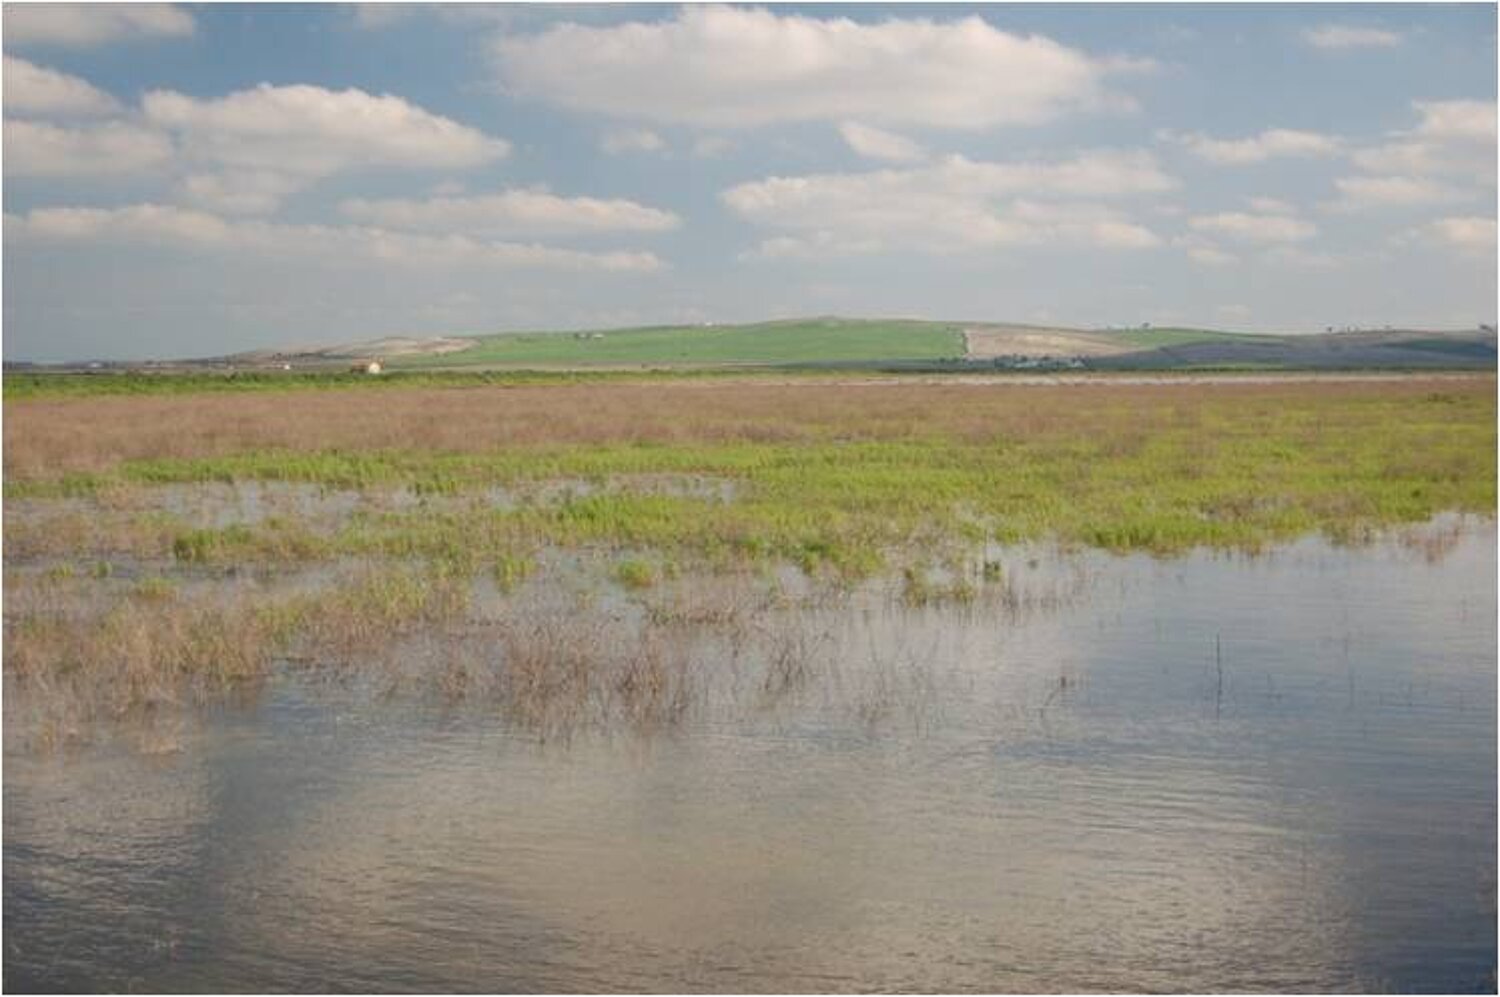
(378, 16)
(1204, 252)
(173, 227)
(89, 25)
(39, 149)
(1342, 36)
(283, 138)
(954, 204)
(1469, 234)
(36, 90)
(1274, 143)
(819, 244)
(239, 192)
(511, 213)
(1457, 120)
(1080, 223)
(243, 153)
(733, 67)
(877, 143)
(1454, 138)
(1409, 158)
(1211, 256)
(617, 141)
(1244, 226)
(1374, 193)
(309, 130)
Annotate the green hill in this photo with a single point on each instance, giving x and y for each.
(793, 341)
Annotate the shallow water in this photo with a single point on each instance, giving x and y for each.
(1209, 773)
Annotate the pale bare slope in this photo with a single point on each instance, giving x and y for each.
(389, 346)
(393, 346)
(983, 342)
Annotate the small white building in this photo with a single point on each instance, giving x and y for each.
(366, 367)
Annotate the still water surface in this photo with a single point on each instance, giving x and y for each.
(1209, 773)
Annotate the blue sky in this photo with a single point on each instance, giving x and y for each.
(192, 180)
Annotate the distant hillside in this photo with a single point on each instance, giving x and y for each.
(786, 342)
(998, 340)
(917, 344)
(1399, 348)
(895, 344)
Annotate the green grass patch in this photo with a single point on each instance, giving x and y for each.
(635, 573)
(21, 386)
(1166, 473)
(797, 341)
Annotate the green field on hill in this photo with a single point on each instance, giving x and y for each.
(796, 341)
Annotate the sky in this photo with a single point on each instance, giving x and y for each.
(200, 179)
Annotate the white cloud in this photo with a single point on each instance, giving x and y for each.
(1099, 173)
(813, 246)
(1455, 138)
(1078, 223)
(33, 89)
(1410, 158)
(37, 149)
(286, 137)
(1457, 120)
(311, 131)
(1373, 193)
(952, 205)
(178, 228)
(246, 152)
(512, 212)
(1255, 228)
(1204, 252)
(1341, 36)
(876, 143)
(1211, 256)
(617, 141)
(1271, 144)
(378, 16)
(239, 192)
(1472, 234)
(89, 25)
(724, 67)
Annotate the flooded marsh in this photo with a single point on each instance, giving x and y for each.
(768, 688)
(1212, 772)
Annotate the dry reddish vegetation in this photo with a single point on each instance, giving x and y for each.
(47, 437)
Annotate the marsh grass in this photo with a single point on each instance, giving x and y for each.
(831, 479)
(636, 573)
(78, 648)
(565, 672)
(139, 652)
(691, 500)
(512, 569)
